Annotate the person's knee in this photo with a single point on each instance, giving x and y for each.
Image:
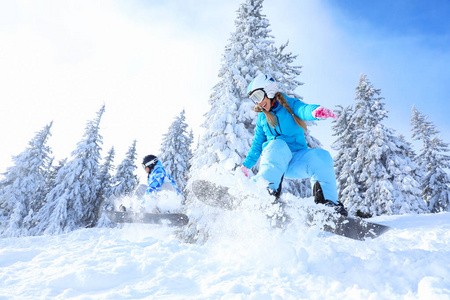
(278, 149)
(321, 155)
(277, 145)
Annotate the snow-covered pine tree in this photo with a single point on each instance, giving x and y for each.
(191, 138)
(285, 72)
(353, 186)
(23, 187)
(70, 204)
(52, 172)
(344, 130)
(230, 122)
(433, 159)
(176, 150)
(105, 189)
(105, 177)
(383, 170)
(408, 151)
(49, 175)
(413, 169)
(125, 181)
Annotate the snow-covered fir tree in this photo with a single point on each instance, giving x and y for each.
(105, 189)
(24, 185)
(345, 144)
(383, 183)
(191, 138)
(105, 177)
(408, 151)
(176, 150)
(125, 180)
(230, 122)
(52, 172)
(433, 159)
(71, 203)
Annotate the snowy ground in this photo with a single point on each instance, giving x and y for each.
(146, 262)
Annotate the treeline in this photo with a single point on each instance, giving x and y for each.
(378, 172)
(39, 196)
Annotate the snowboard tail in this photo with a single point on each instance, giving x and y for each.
(349, 227)
(170, 219)
(214, 195)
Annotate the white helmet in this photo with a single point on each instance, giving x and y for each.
(265, 82)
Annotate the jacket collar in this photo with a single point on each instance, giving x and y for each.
(275, 106)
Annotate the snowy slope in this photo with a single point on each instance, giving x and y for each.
(145, 262)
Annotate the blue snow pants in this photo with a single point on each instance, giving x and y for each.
(317, 164)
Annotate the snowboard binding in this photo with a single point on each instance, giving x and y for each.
(320, 199)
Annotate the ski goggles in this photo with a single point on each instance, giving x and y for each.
(153, 161)
(258, 96)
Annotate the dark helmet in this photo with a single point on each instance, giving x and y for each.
(150, 161)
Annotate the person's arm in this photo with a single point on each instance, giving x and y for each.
(302, 110)
(174, 184)
(310, 112)
(155, 180)
(256, 149)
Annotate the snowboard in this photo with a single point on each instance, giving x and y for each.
(170, 219)
(349, 227)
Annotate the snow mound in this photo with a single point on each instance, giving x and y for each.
(147, 262)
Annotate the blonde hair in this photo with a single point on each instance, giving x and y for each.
(271, 118)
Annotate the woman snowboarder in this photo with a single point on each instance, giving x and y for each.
(280, 141)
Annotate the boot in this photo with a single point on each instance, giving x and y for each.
(277, 193)
(320, 199)
(280, 219)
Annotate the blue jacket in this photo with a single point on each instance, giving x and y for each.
(286, 129)
(156, 179)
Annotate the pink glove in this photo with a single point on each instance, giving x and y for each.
(323, 113)
(245, 170)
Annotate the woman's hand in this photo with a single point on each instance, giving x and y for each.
(245, 170)
(323, 113)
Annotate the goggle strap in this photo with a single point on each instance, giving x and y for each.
(150, 162)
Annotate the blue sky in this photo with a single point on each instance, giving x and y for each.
(403, 48)
(411, 35)
(398, 18)
(147, 60)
